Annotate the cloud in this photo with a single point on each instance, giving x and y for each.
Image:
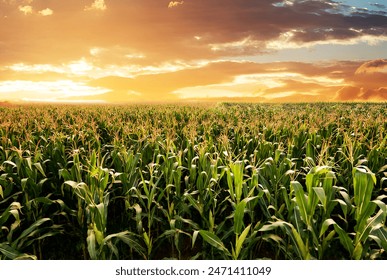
(367, 84)
(97, 5)
(146, 48)
(351, 93)
(26, 9)
(46, 90)
(379, 6)
(348, 93)
(280, 81)
(117, 55)
(234, 28)
(378, 65)
(379, 94)
(243, 80)
(174, 4)
(241, 47)
(46, 12)
(263, 81)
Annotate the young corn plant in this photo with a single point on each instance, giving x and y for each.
(147, 195)
(369, 225)
(237, 187)
(26, 179)
(93, 195)
(7, 247)
(304, 225)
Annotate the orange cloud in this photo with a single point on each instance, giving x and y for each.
(46, 12)
(379, 94)
(173, 4)
(223, 79)
(143, 50)
(260, 81)
(351, 93)
(96, 5)
(369, 83)
(27, 9)
(348, 93)
(378, 65)
(234, 28)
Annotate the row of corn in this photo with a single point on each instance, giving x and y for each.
(210, 181)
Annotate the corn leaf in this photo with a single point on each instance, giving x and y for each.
(240, 240)
(213, 240)
(91, 244)
(301, 200)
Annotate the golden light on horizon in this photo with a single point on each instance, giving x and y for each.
(48, 91)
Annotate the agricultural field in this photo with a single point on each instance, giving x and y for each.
(215, 181)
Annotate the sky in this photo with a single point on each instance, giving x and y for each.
(119, 51)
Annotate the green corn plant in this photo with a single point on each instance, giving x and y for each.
(100, 245)
(369, 225)
(202, 194)
(16, 243)
(25, 171)
(366, 219)
(148, 194)
(273, 177)
(93, 196)
(320, 191)
(127, 166)
(235, 180)
(13, 210)
(300, 248)
(239, 240)
(303, 227)
(240, 236)
(307, 203)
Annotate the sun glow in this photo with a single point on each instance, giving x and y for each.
(76, 68)
(256, 85)
(46, 91)
(80, 67)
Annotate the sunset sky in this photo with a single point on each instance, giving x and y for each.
(156, 50)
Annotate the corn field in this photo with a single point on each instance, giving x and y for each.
(220, 181)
